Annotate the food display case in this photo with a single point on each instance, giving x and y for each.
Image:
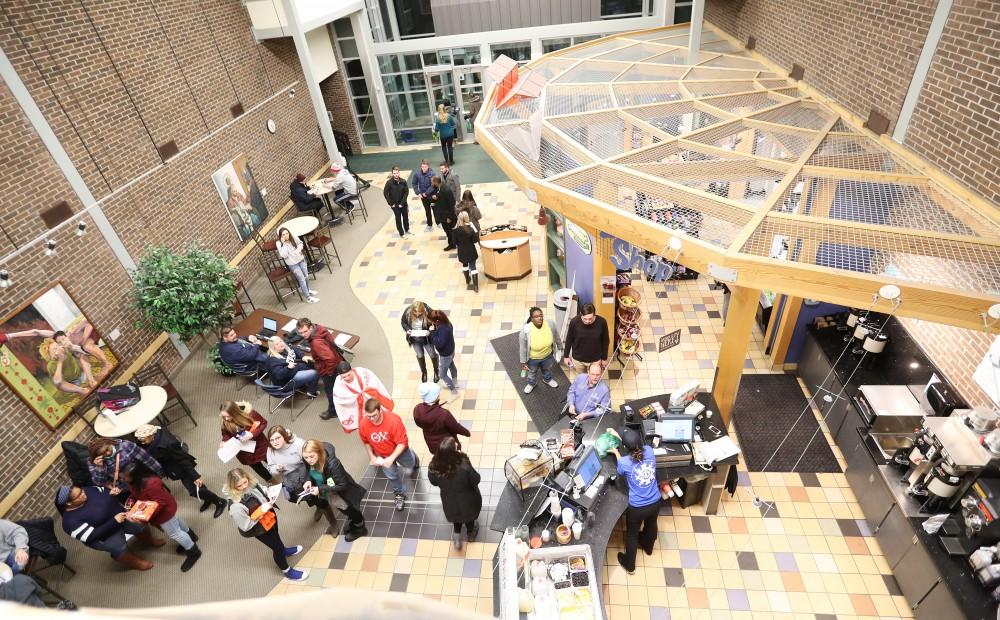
(527, 469)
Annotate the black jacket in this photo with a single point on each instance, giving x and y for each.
(404, 321)
(278, 370)
(465, 241)
(396, 192)
(343, 484)
(460, 496)
(444, 206)
(302, 198)
(177, 462)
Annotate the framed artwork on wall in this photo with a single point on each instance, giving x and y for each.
(240, 196)
(51, 356)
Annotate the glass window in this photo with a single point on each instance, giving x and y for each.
(414, 18)
(348, 48)
(359, 88)
(394, 63)
(409, 110)
(362, 105)
(554, 45)
(402, 82)
(354, 69)
(613, 9)
(519, 51)
(371, 139)
(467, 55)
(343, 27)
(682, 14)
(440, 57)
(585, 38)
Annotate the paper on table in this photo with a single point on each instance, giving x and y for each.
(341, 339)
(290, 325)
(229, 449)
(418, 333)
(713, 451)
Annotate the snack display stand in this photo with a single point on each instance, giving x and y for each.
(627, 330)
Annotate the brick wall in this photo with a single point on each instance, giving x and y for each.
(957, 352)
(104, 101)
(339, 102)
(956, 124)
(859, 52)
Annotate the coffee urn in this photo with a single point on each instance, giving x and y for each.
(947, 458)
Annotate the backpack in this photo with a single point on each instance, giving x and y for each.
(117, 397)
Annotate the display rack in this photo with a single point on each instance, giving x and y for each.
(555, 250)
(627, 329)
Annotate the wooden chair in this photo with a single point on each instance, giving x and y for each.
(266, 246)
(279, 276)
(155, 375)
(242, 300)
(321, 237)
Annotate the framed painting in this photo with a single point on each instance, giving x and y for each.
(240, 196)
(51, 356)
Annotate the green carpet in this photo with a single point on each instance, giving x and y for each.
(471, 162)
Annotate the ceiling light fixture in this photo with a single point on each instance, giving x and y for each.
(81, 228)
(5, 280)
(991, 316)
(50, 247)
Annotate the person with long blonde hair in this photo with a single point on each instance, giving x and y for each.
(416, 323)
(239, 420)
(322, 476)
(444, 126)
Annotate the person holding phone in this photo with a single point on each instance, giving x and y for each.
(239, 420)
(110, 457)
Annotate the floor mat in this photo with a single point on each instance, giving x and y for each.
(472, 163)
(767, 407)
(545, 403)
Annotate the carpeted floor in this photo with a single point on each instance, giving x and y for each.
(471, 162)
(545, 403)
(767, 408)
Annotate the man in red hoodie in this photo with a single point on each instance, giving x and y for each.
(325, 356)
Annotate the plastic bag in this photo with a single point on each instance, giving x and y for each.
(932, 525)
(608, 441)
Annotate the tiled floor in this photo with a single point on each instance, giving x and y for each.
(802, 551)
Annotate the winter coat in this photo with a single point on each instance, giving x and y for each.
(452, 182)
(444, 206)
(278, 370)
(407, 326)
(153, 490)
(460, 496)
(259, 438)
(302, 199)
(465, 240)
(333, 471)
(396, 192)
(421, 181)
(474, 213)
(438, 424)
(173, 455)
(524, 340)
(447, 128)
(443, 339)
(324, 352)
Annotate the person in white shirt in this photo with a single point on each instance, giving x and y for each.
(290, 250)
(284, 450)
(344, 184)
(350, 391)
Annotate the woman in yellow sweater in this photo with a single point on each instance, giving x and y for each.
(538, 340)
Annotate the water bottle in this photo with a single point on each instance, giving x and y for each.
(524, 373)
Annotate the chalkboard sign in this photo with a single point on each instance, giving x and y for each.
(670, 341)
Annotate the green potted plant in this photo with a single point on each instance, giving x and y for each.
(183, 293)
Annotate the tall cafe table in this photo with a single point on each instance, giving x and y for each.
(151, 402)
(323, 188)
(300, 227)
(506, 254)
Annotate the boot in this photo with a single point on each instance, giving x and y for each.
(193, 554)
(318, 514)
(423, 368)
(331, 519)
(147, 538)
(131, 561)
(472, 534)
(355, 531)
(456, 541)
(468, 280)
(434, 363)
(193, 536)
(220, 507)
(475, 282)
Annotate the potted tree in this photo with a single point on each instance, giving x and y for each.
(183, 293)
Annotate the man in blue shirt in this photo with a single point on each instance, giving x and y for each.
(241, 355)
(588, 395)
(638, 468)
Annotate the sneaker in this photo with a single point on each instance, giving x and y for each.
(290, 551)
(407, 234)
(326, 415)
(429, 228)
(528, 388)
(415, 472)
(312, 292)
(312, 394)
(454, 391)
(66, 605)
(400, 501)
(552, 383)
(456, 541)
(621, 560)
(449, 248)
(294, 574)
(312, 299)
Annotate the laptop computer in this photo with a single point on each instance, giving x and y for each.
(269, 329)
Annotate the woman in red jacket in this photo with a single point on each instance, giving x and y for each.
(435, 421)
(239, 420)
(145, 485)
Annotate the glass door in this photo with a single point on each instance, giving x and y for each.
(440, 87)
(470, 95)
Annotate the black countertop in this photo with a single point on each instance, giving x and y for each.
(831, 342)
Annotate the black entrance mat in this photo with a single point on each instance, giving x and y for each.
(545, 403)
(767, 407)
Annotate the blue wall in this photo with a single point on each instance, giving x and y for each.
(806, 316)
(579, 266)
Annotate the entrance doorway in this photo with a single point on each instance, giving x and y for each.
(441, 81)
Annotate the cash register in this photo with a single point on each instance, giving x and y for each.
(581, 479)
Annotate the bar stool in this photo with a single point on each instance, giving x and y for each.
(242, 299)
(279, 276)
(322, 237)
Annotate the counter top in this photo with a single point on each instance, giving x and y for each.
(832, 344)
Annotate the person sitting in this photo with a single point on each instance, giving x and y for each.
(287, 364)
(301, 198)
(144, 485)
(588, 395)
(239, 354)
(344, 185)
(178, 464)
(110, 457)
(92, 516)
(434, 420)
(13, 546)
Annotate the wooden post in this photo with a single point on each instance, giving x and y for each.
(785, 329)
(735, 338)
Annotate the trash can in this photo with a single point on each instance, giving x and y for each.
(565, 305)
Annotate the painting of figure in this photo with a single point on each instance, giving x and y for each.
(51, 355)
(240, 195)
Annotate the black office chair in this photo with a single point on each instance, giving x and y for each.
(45, 553)
(282, 393)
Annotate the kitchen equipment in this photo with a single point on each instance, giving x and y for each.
(563, 534)
(991, 441)
(981, 419)
(981, 513)
(942, 484)
(947, 458)
(889, 409)
(943, 399)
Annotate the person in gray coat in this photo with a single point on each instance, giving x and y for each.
(13, 545)
(451, 180)
(536, 346)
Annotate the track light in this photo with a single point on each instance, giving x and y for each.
(81, 228)
(5, 280)
(991, 316)
(50, 247)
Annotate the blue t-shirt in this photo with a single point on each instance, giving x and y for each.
(641, 476)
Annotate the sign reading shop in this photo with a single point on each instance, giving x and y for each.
(627, 257)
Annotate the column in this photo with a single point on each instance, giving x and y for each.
(735, 339)
(373, 77)
(697, 21)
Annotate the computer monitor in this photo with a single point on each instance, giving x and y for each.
(589, 466)
(676, 429)
(270, 324)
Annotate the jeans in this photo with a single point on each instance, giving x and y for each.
(644, 517)
(12, 563)
(448, 149)
(447, 365)
(402, 214)
(301, 272)
(272, 539)
(116, 543)
(178, 530)
(426, 200)
(328, 381)
(421, 347)
(545, 364)
(470, 267)
(408, 460)
(307, 378)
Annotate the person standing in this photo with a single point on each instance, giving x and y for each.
(254, 515)
(450, 178)
(240, 420)
(442, 336)
(325, 357)
(587, 340)
(13, 545)
(110, 457)
(639, 469)
(588, 395)
(291, 250)
(536, 344)
(284, 450)
(416, 324)
(466, 238)
(444, 126)
(396, 192)
(325, 478)
(388, 447)
(452, 472)
(444, 210)
(468, 205)
(434, 420)
(95, 518)
(353, 387)
(287, 364)
(144, 485)
(422, 187)
(178, 464)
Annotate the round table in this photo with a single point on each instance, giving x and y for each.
(143, 412)
(301, 226)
